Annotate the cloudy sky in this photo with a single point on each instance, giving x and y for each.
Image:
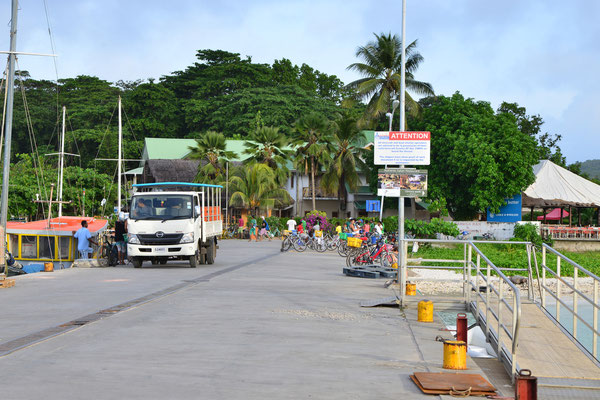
(544, 55)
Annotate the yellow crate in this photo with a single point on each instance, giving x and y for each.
(287, 233)
(318, 233)
(354, 242)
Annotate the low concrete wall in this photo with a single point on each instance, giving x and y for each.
(576, 245)
(500, 230)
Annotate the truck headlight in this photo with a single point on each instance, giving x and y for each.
(187, 238)
(132, 239)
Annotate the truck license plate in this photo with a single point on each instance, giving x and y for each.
(160, 250)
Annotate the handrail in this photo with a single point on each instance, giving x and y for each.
(497, 290)
(577, 293)
(516, 302)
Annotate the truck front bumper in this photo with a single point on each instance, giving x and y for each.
(175, 250)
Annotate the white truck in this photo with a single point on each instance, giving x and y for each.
(174, 221)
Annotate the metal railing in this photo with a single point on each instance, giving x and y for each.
(499, 294)
(498, 309)
(577, 295)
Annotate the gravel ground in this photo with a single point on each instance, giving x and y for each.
(449, 283)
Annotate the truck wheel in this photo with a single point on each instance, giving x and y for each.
(211, 251)
(136, 262)
(195, 260)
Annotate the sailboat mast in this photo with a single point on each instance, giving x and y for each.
(62, 161)
(119, 159)
(10, 83)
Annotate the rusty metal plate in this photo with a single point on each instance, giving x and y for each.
(446, 381)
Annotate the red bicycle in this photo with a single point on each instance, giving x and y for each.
(379, 253)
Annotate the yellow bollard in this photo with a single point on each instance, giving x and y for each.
(425, 311)
(411, 289)
(455, 354)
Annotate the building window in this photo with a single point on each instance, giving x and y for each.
(334, 214)
(292, 181)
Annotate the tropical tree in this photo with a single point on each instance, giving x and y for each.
(348, 156)
(255, 186)
(211, 150)
(314, 146)
(381, 72)
(266, 145)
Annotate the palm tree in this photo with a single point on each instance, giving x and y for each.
(266, 145)
(348, 141)
(211, 150)
(314, 148)
(381, 72)
(255, 186)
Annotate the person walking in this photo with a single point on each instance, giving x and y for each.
(241, 227)
(83, 237)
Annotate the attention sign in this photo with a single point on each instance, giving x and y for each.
(402, 148)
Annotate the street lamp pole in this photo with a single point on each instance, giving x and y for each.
(401, 258)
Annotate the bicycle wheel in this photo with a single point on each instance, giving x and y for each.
(343, 249)
(286, 244)
(386, 259)
(300, 244)
(320, 246)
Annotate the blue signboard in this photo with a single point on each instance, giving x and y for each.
(511, 212)
(373, 205)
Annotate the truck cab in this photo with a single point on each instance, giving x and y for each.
(174, 221)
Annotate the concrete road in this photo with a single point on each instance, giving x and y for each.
(258, 324)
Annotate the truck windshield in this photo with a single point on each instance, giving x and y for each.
(161, 206)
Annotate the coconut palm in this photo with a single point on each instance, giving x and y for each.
(211, 150)
(266, 145)
(348, 156)
(255, 186)
(314, 146)
(381, 71)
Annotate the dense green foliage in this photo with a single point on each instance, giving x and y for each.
(478, 157)
(527, 233)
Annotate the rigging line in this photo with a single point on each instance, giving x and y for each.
(133, 133)
(74, 138)
(52, 45)
(32, 141)
(106, 131)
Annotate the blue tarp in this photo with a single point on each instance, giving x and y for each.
(31, 268)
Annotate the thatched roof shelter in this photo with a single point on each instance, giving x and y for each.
(170, 171)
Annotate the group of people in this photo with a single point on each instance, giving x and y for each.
(256, 234)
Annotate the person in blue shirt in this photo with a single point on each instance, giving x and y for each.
(83, 237)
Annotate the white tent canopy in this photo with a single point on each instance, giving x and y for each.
(555, 186)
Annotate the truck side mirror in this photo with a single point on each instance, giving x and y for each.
(198, 211)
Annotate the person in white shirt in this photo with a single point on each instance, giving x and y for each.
(291, 224)
(378, 228)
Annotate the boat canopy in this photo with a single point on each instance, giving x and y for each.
(61, 226)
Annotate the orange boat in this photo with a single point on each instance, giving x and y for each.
(37, 242)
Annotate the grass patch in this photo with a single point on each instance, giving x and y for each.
(510, 256)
